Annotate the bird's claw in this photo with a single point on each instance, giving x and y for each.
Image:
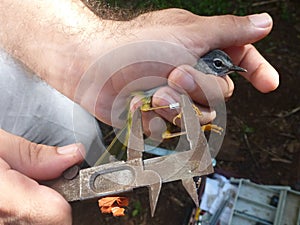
(178, 116)
(195, 108)
(213, 128)
(167, 134)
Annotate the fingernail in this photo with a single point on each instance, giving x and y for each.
(69, 149)
(263, 20)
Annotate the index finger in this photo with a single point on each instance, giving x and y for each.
(261, 74)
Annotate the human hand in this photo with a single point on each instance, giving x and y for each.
(22, 199)
(154, 43)
(180, 37)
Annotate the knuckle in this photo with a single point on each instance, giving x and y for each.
(180, 16)
(234, 23)
(29, 152)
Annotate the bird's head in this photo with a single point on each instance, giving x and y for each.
(218, 63)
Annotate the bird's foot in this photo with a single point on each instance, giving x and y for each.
(213, 128)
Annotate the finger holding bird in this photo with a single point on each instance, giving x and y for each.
(202, 89)
(165, 96)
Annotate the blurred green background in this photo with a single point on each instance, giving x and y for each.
(201, 7)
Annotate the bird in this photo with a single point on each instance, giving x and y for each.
(218, 63)
(215, 62)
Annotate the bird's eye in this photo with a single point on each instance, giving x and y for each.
(218, 63)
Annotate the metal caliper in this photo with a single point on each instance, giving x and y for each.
(123, 176)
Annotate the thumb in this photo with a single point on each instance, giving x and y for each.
(229, 30)
(38, 161)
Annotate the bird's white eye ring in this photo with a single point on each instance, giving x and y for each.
(218, 63)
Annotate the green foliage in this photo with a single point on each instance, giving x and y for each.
(285, 12)
(248, 130)
(137, 208)
(202, 7)
(234, 76)
(138, 4)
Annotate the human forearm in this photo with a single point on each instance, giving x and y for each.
(52, 37)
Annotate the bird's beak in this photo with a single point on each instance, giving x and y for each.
(235, 68)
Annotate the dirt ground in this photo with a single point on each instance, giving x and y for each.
(262, 140)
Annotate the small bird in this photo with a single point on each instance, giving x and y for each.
(215, 62)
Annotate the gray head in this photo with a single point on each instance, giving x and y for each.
(218, 63)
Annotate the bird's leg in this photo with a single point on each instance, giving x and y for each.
(208, 127)
(178, 116)
(213, 128)
(196, 109)
(146, 106)
(167, 134)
